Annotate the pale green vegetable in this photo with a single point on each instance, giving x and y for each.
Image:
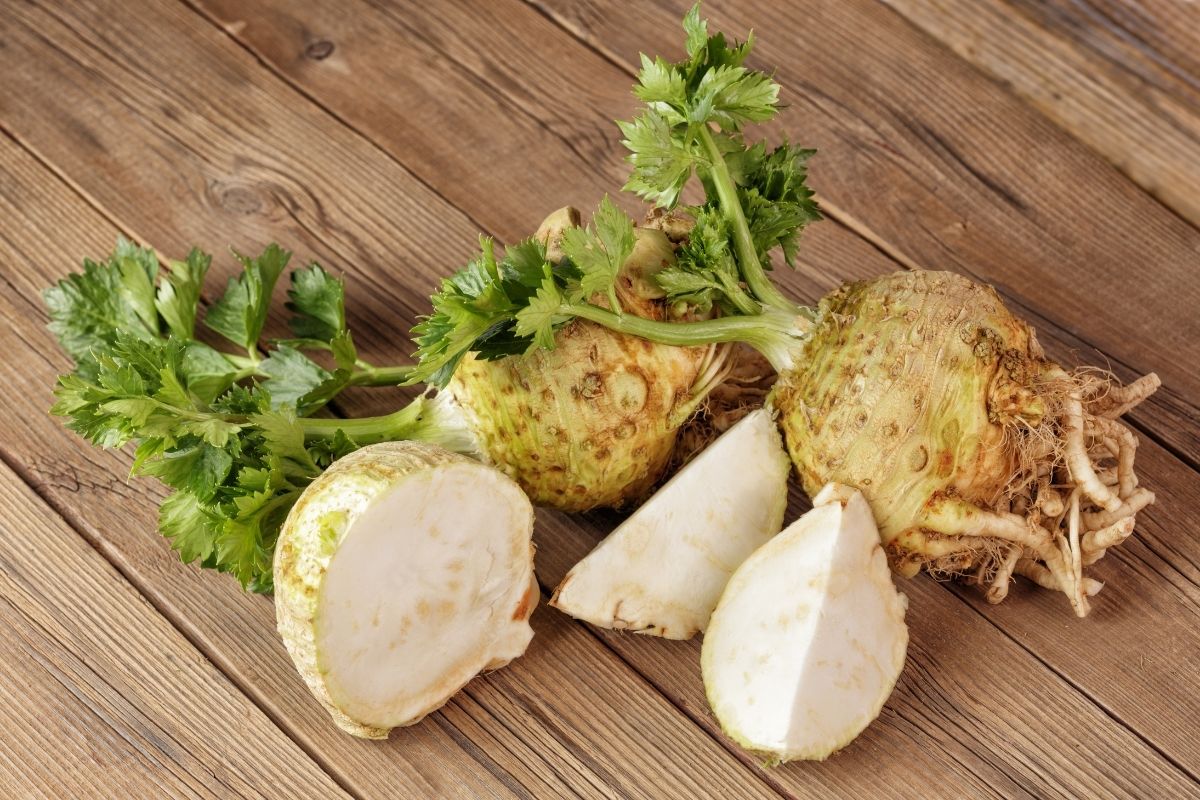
(402, 572)
(661, 571)
(809, 637)
(593, 422)
(979, 456)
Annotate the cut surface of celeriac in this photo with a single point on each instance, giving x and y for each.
(662, 571)
(809, 638)
(401, 573)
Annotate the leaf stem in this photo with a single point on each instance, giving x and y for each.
(436, 420)
(752, 269)
(778, 334)
(365, 430)
(241, 362)
(381, 376)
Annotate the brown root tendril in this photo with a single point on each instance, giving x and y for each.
(1074, 486)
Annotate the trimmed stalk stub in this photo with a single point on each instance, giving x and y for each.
(662, 571)
(400, 574)
(809, 637)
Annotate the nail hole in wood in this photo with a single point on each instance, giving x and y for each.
(319, 50)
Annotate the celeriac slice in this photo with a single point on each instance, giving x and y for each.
(809, 637)
(401, 573)
(662, 571)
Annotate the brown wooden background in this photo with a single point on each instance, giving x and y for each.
(1051, 148)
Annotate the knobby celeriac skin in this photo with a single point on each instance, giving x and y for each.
(982, 458)
(593, 422)
(589, 424)
(978, 456)
(893, 397)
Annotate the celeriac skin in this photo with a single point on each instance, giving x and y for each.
(593, 422)
(979, 456)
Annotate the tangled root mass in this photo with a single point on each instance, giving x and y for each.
(1075, 491)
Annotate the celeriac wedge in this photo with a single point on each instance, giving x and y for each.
(662, 571)
(809, 637)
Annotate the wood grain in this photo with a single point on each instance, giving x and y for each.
(1123, 77)
(165, 159)
(118, 516)
(207, 605)
(103, 698)
(968, 699)
(940, 167)
(510, 755)
(831, 254)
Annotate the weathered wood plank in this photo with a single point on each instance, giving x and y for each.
(942, 168)
(279, 31)
(556, 100)
(513, 746)
(967, 698)
(299, 144)
(1123, 77)
(1154, 576)
(103, 698)
(1140, 641)
(684, 667)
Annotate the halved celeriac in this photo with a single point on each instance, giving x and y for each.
(662, 571)
(401, 573)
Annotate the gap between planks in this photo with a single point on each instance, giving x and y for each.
(316, 101)
(177, 623)
(181, 624)
(1068, 80)
(846, 220)
(121, 576)
(1065, 678)
(145, 590)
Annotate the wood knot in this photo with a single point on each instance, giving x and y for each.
(235, 198)
(319, 50)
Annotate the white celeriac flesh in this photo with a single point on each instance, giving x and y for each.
(809, 638)
(662, 571)
(401, 573)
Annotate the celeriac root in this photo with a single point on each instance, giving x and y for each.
(1075, 503)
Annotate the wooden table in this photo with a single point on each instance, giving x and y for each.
(1051, 148)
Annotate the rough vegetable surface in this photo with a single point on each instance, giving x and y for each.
(589, 424)
(978, 455)
(592, 422)
(471, 589)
